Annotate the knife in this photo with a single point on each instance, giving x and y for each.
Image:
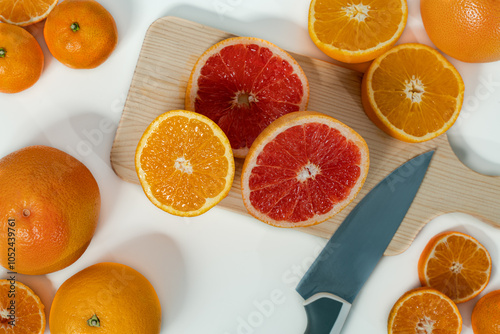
(332, 282)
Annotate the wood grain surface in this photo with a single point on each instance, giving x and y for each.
(169, 52)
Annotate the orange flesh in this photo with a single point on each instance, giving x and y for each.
(192, 169)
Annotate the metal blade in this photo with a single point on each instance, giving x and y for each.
(353, 251)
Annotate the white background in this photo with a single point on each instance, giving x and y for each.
(224, 273)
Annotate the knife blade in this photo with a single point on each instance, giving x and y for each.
(331, 284)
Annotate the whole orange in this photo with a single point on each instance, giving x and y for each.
(486, 314)
(21, 59)
(80, 33)
(467, 30)
(49, 208)
(106, 298)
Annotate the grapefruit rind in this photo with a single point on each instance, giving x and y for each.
(277, 127)
(210, 201)
(192, 85)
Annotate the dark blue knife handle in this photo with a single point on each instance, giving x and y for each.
(326, 313)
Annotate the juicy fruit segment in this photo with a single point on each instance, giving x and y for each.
(52, 201)
(27, 316)
(303, 169)
(80, 34)
(107, 298)
(243, 84)
(356, 31)
(486, 314)
(21, 59)
(465, 30)
(455, 264)
(412, 93)
(25, 12)
(424, 310)
(184, 163)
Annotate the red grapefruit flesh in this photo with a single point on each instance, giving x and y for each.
(302, 169)
(243, 84)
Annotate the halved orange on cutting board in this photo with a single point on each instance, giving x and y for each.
(184, 163)
(302, 169)
(243, 84)
(356, 31)
(412, 92)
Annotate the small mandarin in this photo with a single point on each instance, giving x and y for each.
(80, 34)
(21, 59)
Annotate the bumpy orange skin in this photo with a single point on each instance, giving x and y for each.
(486, 314)
(121, 298)
(22, 62)
(467, 30)
(91, 44)
(50, 204)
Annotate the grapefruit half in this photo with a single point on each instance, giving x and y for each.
(243, 84)
(303, 169)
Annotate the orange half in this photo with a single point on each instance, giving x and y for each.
(26, 316)
(424, 310)
(184, 163)
(25, 12)
(455, 264)
(356, 31)
(412, 93)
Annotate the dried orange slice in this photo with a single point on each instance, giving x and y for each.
(356, 31)
(184, 163)
(243, 84)
(21, 310)
(412, 92)
(455, 264)
(424, 310)
(302, 169)
(25, 12)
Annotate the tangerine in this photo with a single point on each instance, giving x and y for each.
(486, 314)
(21, 59)
(106, 298)
(80, 33)
(25, 12)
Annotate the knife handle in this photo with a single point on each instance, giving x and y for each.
(326, 313)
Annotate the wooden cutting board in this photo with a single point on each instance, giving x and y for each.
(170, 50)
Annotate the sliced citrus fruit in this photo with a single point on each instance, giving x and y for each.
(21, 310)
(302, 169)
(424, 310)
(356, 31)
(455, 264)
(412, 92)
(184, 163)
(243, 84)
(25, 12)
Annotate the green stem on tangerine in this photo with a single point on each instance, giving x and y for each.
(94, 321)
(75, 26)
(2, 52)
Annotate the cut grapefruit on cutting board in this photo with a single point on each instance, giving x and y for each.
(243, 84)
(173, 45)
(303, 169)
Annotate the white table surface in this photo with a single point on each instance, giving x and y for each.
(222, 272)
